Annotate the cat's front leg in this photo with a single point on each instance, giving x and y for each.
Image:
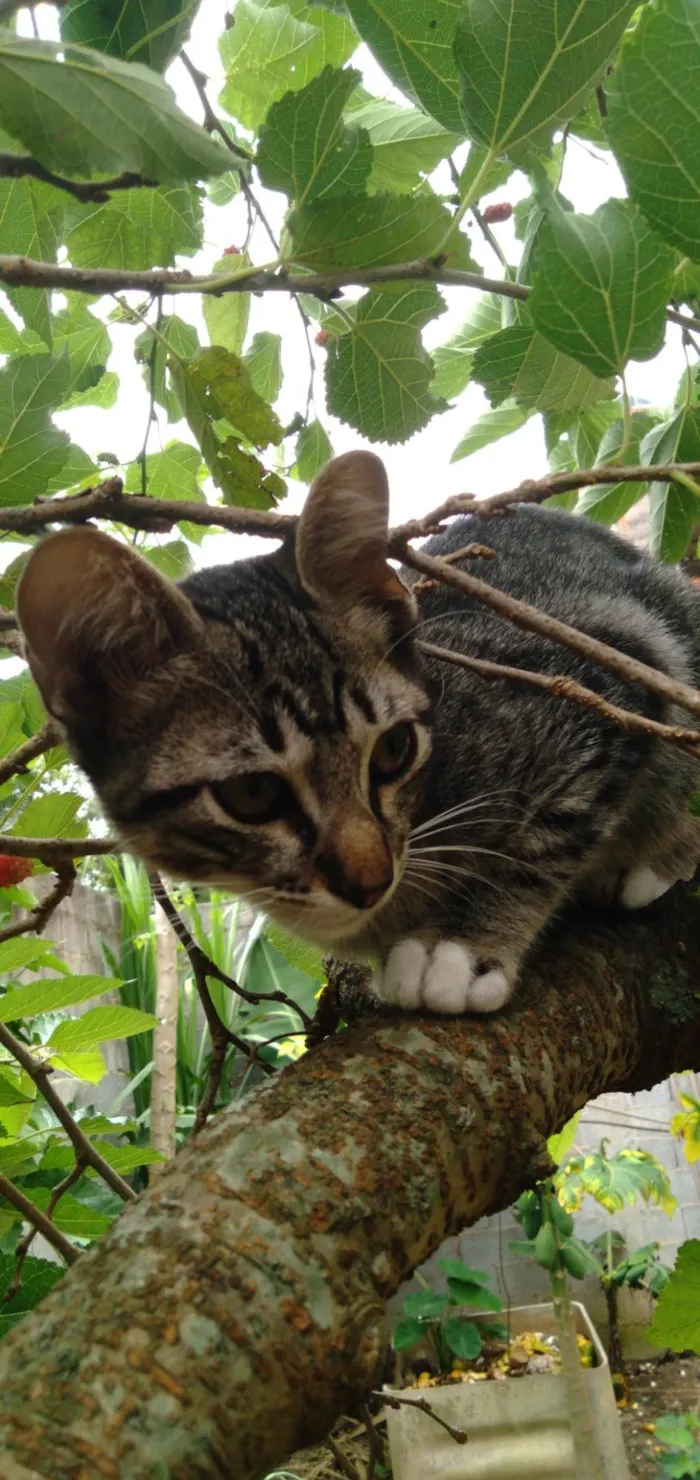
(449, 976)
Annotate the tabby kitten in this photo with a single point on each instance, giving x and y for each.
(271, 726)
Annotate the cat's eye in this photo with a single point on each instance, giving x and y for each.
(394, 751)
(256, 796)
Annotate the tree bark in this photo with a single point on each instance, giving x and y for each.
(163, 1079)
(237, 1308)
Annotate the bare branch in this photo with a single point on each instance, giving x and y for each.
(108, 501)
(16, 764)
(39, 1221)
(534, 620)
(23, 272)
(392, 1400)
(57, 850)
(25, 1243)
(84, 1149)
(37, 918)
(15, 166)
(568, 688)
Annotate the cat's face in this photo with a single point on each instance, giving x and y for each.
(264, 726)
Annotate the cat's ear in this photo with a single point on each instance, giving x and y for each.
(93, 611)
(342, 536)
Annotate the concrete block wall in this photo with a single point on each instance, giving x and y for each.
(639, 1121)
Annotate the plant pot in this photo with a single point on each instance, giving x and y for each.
(518, 1428)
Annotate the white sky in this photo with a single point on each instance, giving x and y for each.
(420, 471)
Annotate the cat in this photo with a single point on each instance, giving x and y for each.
(273, 727)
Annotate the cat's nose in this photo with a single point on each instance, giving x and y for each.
(356, 865)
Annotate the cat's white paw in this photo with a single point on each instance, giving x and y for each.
(642, 886)
(444, 978)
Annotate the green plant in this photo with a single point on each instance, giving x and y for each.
(680, 1437)
(642, 1269)
(440, 1319)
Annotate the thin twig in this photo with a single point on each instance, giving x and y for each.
(390, 1400)
(374, 1443)
(568, 688)
(17, 762)
(39, 917)
(534, 620)
(222, 1036)
(16, 166)
(39, 1221)
(25, 1243)
(40, 1075)
(343, 1460)
(209, 967)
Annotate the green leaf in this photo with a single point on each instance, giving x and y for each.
(173, 559)
(214, 391)
(275, 49)
(101, 1025)
(88, 1065)
(406, 143)
(173, 473)
(520, 365)
(10, 1091)
(522, 78)
(458, 1270)
(263, 361)
(81, 112)
(414, 48)
(425, 1305)
(674, 511)
(71, 1216)
(466, 1292)
(462, 1338)
(490, 427)
(52, 816)
(17, 955)
(676, 1320)
(226, 317)
(378, 377)
(298, 953)
(32, 450)
(123, 1159)
(38, 1277)
(31, 222)
(347, 231)
(453, 360)
(674, 1431)
(313, 451)
(305, 148)
(607, 503)
(183, 341)
(52, 993)
(152, 32)
(654, 117)
(600, 286)
(561, 1144)
(405, 1334)
(136, 228)
(11, 727)
(489, 173)
(87, 344)
(222, 387)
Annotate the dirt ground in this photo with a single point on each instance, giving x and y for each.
(654, 1388)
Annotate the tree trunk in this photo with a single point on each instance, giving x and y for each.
(237, 1308)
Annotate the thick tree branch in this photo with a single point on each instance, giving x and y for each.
(15, 166)
(23, 272)
(238, 1306)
